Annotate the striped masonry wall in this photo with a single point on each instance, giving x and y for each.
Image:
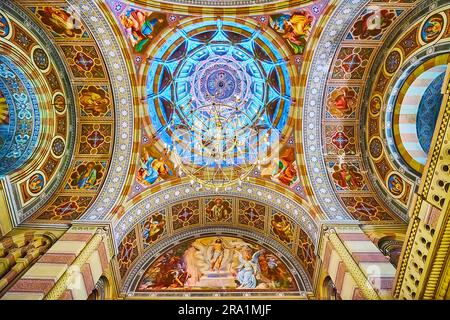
(68, 271)
(375, 267)
(343, 280)
(19, 251)
(406, 111)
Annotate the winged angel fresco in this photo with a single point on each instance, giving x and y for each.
(222, 263)
(249, 269)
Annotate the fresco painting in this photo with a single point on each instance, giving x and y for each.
(217, 264)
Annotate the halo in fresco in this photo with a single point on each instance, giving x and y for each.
(21, 135)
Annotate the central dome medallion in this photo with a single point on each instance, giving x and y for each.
(218, 95)
(217, 80)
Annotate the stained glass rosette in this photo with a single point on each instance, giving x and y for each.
(219, 97)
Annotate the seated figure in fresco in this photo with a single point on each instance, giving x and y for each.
(432, 28)
(282, 169)
(93, 102)
(152, 168)
(88, 176)
(170, 272)
(61, 21)
(139, 27)
(178, 276)
(282, 228)
(294, 28)
(218, 212)
(249, 269)
(347, 177)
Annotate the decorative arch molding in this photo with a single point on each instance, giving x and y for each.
(21, 210)
(136, 272)
(223, 7)
(394, 157)
(321, 62)
(153, 201)
(341, 66)
(118, 71)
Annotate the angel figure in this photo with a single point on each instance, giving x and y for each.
(249, 269)
(153, 167)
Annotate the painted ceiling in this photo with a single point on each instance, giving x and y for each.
(255, 120)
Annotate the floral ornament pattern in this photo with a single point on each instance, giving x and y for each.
(95, 101)
(432, 28)
(84, 61)
(4, 26)
(65, 208)
(376, 148)
(218, 210)
(393, 61)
